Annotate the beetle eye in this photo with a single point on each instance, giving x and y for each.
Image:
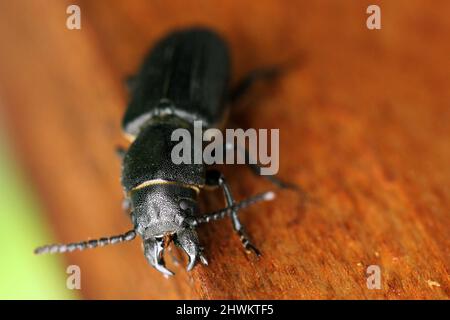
(184, 205)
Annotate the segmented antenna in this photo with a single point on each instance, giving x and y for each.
(90, 244)
(220, 214)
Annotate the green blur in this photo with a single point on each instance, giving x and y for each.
(22, 226)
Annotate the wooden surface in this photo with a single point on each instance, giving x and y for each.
(364, 125)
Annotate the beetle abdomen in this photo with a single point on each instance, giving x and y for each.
(186, 74)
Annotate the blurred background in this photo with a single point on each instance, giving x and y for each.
(23, 275)
(363, 117)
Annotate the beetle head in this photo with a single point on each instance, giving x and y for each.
(159, 212)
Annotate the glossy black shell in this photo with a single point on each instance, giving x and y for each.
(186, 74)
(149, 156)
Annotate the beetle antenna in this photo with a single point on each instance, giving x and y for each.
(90, 244)
(222, 213)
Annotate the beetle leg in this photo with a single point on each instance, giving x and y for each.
(244, 85)
(256, 168)
(216, 178)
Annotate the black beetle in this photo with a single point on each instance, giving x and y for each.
(183, 79)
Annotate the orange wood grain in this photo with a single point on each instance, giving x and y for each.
(364, 126)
